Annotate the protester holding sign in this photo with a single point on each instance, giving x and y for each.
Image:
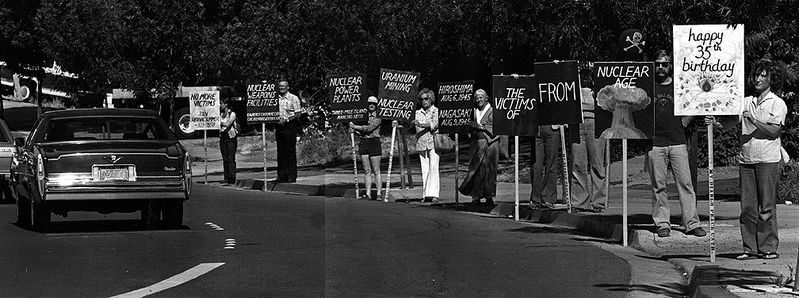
(760, 158)
(370, 149)
(544, 169)
(589, 192)
(228, 141)
(426, 123)
(669, 147)
(286, 133)
(481, 181)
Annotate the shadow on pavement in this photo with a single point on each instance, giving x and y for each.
(101, 226)
(671, 289)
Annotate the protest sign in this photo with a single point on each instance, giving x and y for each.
(558, 93)
(397, 95)
(346, 102)
(262, 103)
(455, 106)
(515, 105)
(708, 69)
(204, 110)
(624, 93)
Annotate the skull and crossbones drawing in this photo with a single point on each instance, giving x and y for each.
(635, 41)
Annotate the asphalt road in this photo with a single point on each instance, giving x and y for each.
(284, 245)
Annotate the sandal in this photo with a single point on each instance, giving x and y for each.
(365, 197)
(746, 256)
(771, 255)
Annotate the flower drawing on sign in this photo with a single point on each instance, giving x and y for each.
(706, 92)
(622, 102)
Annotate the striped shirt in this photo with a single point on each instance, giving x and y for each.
(771, 111)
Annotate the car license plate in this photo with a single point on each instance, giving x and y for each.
(106, 173)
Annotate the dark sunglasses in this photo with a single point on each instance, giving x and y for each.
(662, 64)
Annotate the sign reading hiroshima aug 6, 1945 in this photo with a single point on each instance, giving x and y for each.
(262, 103)
(515, 105)
(397, 95)
(455, 106)
(347, 103)
(204, 110)
(708, 69)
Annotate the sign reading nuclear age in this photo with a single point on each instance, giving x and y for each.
(624, 107)
(347, 103)
(708, 69)
(262, 103)
(558, 93)
(397, 95)
(455, 106)
(204, 110)
(514, 99)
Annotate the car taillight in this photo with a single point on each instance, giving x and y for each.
(187, 173)
(40, 175)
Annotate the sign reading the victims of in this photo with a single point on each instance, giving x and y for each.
(455, 106)
(708, 69)
(624, 107)
(204, 110)
(515, 103)
(262, 103)
(347, 103)
(397, 95)
(558, 93)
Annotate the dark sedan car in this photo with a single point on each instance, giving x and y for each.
(104, 160)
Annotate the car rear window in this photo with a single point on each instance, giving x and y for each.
(105, 128)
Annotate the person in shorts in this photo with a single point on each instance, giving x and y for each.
(370, 149)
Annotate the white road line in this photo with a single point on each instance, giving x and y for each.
(173, 281)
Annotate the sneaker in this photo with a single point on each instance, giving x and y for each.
(664, 232)
(698, 232)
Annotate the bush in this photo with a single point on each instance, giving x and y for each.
(788, 187)
(318, 148)
(726, 146)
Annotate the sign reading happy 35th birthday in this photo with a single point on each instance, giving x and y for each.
(708, 69)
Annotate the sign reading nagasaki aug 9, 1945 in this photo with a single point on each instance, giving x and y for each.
(346, 101)
(515, 103)
(262, 103)
(397, 95)
(558, 93)
(204, 110)
(708, 69)
(455, 105)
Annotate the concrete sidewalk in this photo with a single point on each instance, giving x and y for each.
(726, 275)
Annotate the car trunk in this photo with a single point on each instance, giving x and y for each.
(149, 158)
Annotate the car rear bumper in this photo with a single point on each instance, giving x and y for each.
(117, 195)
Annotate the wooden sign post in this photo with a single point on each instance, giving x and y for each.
(709, 80)
(204, 115)
(514, 103)
(396, 95)
(263, 107)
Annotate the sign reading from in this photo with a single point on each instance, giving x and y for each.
(346, 101)
(515, 103)
(624, 107)
(455, 106)
(708, 69)
(397, 95)
(262, 103)
(204, 110)
(558, 93)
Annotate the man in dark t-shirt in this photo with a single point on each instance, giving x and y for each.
(669, 147)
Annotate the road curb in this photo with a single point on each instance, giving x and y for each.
(705, 282)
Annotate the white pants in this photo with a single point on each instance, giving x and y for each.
(429, 159)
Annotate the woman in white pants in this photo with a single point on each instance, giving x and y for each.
(426, 123)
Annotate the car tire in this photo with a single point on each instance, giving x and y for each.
(150, 215)
(173, 214)
(23, 212)
(40, 216)
(180, 124)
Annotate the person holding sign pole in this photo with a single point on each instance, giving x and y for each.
(589, 192)
(481, 180)
(544, 170)
(760, 158)
(286, 134)
(426, 123)
(228, 141)
(370, 149)
(669, 147)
